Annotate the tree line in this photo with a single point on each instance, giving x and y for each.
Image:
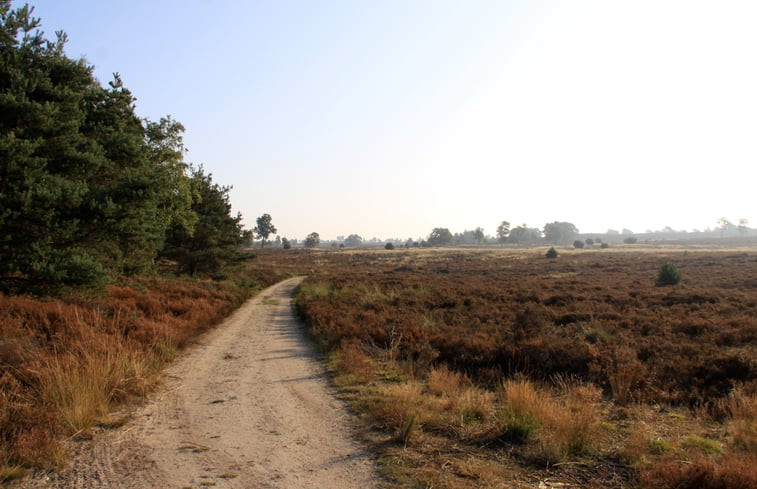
(89, 190)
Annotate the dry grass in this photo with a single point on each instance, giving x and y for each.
(735, 472)
(742, 422)
(353, 364)
(67, 363)
(562, 424)
(576, 371)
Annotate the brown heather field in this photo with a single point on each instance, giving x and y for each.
(474, 368)
(501, 368)
(67, 363)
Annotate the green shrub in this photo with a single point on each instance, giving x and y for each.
(389, 246)
(578, 243)
(668, 275)
(552, 253)
(630, 240)
(604, 245)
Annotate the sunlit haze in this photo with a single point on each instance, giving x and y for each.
(390, 118)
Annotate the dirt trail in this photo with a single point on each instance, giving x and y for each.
(248, 407)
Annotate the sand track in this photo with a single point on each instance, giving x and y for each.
(249, 406)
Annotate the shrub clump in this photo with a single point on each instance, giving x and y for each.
(668, 275)
(552, 253)
(578, 243)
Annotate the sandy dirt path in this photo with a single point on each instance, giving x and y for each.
(248, 407)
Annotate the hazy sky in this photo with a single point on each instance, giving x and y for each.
(388, 118)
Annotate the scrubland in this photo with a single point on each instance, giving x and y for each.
(507, 369)
(471, 368)
(68, 363)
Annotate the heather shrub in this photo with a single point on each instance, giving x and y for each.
(523, 410)
(704, 473)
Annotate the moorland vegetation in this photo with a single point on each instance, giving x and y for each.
(598, 367)
(488, 366)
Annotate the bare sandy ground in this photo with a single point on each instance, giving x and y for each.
(248, 407)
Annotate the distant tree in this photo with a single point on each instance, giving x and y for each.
(277, 241)
(389, 246)
(524, 235)
(604, 245)
(743, 226)
(264, 228)
(247, 238)
(285, 243)
(630, 240)
(560, 232)
(724, 225)
(313, 239)
(439, 237)
(589, 241)
(478, 235)
(353, 240)
(503, 230)
(578, 244)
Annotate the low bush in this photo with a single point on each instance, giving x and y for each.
(668, 275)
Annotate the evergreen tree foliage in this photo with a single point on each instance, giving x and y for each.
(668, 275)
(217, 235)
(89, 190)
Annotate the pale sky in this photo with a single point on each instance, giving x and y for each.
(389, 118)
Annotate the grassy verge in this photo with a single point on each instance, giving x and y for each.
(67, 363)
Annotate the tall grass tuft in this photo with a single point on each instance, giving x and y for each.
(742, 421)
(523, 410)
(561, 425)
